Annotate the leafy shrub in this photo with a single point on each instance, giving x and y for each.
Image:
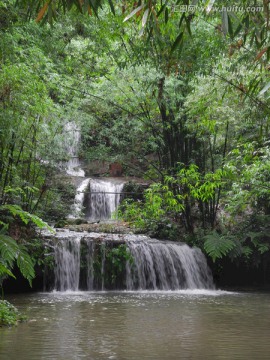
(9, 314)
(116, 259)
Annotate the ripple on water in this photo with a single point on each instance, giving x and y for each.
(158, 325)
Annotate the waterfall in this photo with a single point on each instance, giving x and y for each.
(72, 141)
(96, 262)
(104, 194)
(90, 265)
(99, 197)
(166, 266)
(103, 199)
(67, 260)
(77, 208)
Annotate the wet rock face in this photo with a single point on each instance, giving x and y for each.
(116, 169)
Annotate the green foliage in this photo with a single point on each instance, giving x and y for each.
(189, 112)
(193, 184)
(152, 213)
(25, 216)
(250, 190)
(217, 245)
(251, 234)
(165, 202)
(11, 252)
(116, 259)
(9, 314)
(58, 200)
(41, 253)
(4, 271)
(259, 240)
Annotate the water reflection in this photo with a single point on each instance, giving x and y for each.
(144, 325)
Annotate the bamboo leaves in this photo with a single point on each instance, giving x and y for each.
(265, 89)
(42, 11)
(135, 11)
(177, 42)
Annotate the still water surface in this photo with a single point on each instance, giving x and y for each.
(140, 325)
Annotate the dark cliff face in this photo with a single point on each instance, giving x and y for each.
(21, 285)
(240, 274)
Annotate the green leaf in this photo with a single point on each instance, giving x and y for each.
(25, 216)
(225, 22)
(112, 6)
(217, 245)
(267, 86)
(11, 251)
(177, 41)
(26, 266)
(5, 271)
(161, 9)
(181, 19)
(230, 27)
(144, 18)
(238, 29)
(8, 250)
(166, 15)
(135, 11)
(209, 4)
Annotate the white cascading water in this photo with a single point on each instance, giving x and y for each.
(67, 260)
(166, 266)
(72, 142)
(103, 199)
(90, 265)
(77, 209)
(103, 194)
(156, 265)
(99, 197)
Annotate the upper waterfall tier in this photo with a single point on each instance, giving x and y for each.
(97, 199)
(72, 143)
(103, 199)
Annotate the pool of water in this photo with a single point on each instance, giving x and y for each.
(140, 325)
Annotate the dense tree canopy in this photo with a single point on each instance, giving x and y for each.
(176, 92)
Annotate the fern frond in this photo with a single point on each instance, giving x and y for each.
(217, 245)
(25, 216)
(8, 250)
(11, 251)
(26, 266)
(5, 271)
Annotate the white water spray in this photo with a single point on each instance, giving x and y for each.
(67, 259)
(103, 199)
(155, 265)
(72, 142)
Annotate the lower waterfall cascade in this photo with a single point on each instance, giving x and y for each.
(99, 261)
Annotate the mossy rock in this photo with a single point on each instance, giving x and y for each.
(61, 223)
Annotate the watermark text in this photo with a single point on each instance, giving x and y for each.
(233, 8)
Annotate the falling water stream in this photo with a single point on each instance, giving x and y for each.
(161, 305)
(151, 264)
(97, 199)
(72, 142)
(103, 198)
